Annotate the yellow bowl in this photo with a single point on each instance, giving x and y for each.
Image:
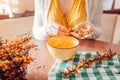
(62, 47)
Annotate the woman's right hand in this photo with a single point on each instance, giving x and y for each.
(54, 29)
(63, 30)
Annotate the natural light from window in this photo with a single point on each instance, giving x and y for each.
(13, 8)
(8, 7)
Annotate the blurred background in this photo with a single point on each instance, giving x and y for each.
(21, 8)
(16, 17)
(16, 8)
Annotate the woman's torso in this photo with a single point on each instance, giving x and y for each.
(68, 15)
(65, 5)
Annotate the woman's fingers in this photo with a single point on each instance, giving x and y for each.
(61, 33)
(80, 25)
(76, 35)
(86, 26)
(89, 27)
(63, 29)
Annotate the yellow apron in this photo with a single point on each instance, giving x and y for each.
(75, 15)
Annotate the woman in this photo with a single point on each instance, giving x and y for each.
(60, 17)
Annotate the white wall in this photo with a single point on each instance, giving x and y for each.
(26, 5)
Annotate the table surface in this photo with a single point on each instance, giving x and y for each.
(38, 69)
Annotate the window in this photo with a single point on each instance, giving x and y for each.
(16, 8)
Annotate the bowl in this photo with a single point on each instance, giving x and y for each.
(62, 47)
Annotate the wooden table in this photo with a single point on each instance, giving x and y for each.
(43, 61)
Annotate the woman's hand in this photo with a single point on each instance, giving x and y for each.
(84, 26)
(63, 30)
(54, 29)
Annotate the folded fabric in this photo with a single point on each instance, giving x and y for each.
(104, 70)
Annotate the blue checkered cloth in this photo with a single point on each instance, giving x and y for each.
(104, 70)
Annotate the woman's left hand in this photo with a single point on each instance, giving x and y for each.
(86, 26)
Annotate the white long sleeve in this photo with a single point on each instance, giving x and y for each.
(95, 15)
(41, 28)
(38, 28)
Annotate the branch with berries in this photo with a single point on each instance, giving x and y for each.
(84, 34)
(88, 62)
(14, 57)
